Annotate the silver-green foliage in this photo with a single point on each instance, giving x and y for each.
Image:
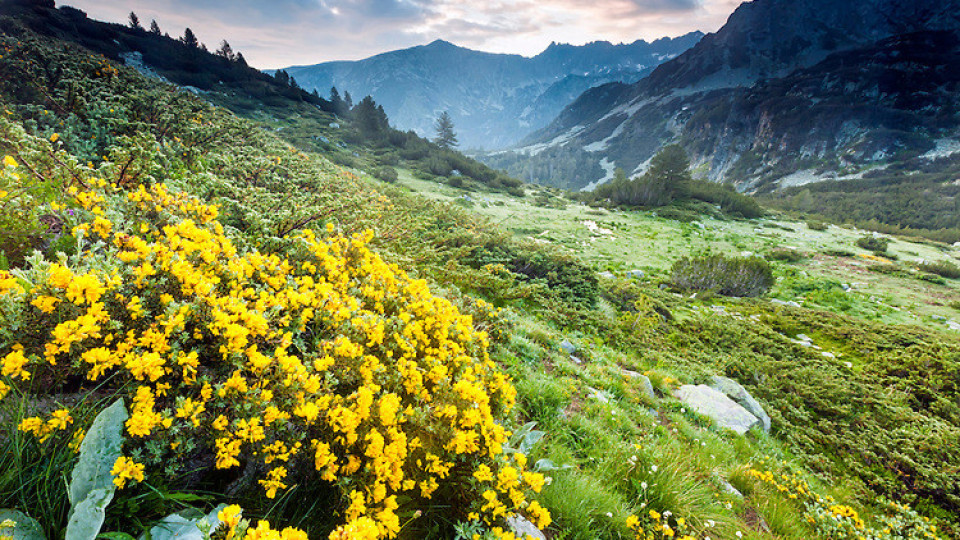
(91, 484)
(24, 527)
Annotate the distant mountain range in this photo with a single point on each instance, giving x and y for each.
(494, 99)
(822, 87)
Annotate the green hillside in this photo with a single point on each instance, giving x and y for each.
(200, 313)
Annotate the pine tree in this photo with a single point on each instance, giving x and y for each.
(445, 138)
(135, 21)
(154, 27)
(241, 60)
(225, 51)
(190, 39)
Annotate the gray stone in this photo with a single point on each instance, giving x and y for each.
(645, 383)
(717, 406)
(575, 360)
(738, 393)
(637, 274)
(727, 487)
(607, 275)
(568, 347)
(791, 303)
(522, 528)
(803, 337)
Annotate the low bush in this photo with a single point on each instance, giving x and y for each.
(786, 255)
(875, 244)
(941, 268)
(386, 174)
(729, 276)
(815, 225)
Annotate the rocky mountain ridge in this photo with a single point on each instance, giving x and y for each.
(782, 87)
(495, 99)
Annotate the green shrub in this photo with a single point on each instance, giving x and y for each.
(941, 268)
(786, 255)
(729, 276)
(875, 244)
(815, 225)
(386, 174)
(679, 214)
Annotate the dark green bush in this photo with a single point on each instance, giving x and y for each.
(729, 276)
(815, 225)
(386, 174)
(786, 255)
(679, 214)
(941, 268)
(875, 244)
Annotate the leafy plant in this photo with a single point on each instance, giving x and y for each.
(729, 276)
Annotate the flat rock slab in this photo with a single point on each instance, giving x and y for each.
(716, 405)
(521, 527)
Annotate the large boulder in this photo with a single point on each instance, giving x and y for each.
(714, 404)
(738, 393)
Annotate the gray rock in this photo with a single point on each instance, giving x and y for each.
(575, 360)
(738, 393)
(717, 406)
(645, 383)
(636, 274)
(607, 275)
(727, 487)
(568, 347)
(522, 528)
(803, 337)
(791, 303)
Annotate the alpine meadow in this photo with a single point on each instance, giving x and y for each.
(701, 288)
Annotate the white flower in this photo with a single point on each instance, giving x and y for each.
(609, 514)
(683, 410)
(548, 480)
(667, 513)
(739, 534)
(653, 468)
(711, 523)
(643, 486)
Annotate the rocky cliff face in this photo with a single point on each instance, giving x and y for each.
(495, 99)
(784, 86)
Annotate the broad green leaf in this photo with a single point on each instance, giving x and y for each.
(25, 528)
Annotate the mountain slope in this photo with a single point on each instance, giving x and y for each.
(495, 99)
(782, 86)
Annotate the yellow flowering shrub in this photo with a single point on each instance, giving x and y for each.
(318, 360)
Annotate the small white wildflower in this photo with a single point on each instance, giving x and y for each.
(548, 480)
(654, 468)
(739, 534)
(667, 513)
(683, 410)
(643, 485)
(729, 506)
(609, 514)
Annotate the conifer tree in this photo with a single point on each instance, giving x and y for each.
(241, 60)
(154, 27)
(190, 39)
(446, 138)
(225, 51)
(135, 21)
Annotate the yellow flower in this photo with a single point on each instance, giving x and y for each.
(125, 469)
(9, 161)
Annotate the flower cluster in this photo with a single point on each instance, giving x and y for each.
(835, 520)
(321, 353)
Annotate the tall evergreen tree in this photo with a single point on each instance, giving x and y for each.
(190, 39)
(446, 138)
(241, 60)
(154, 27)
(225, 51)
(135, 21)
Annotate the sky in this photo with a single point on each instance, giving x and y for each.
(280, 33)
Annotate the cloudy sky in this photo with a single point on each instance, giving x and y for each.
(277, 33)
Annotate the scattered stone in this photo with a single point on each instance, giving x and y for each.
(803, 337)
(938, 317)
(828, 354)
(953, 325)
(522, 528)
(790, 303)
(636, 274)
(717, 406)
(334, 125)
(599, 395)
(575, 360)
(568, 347)
(727, 487)
(607, 275)
(848, 364)
(645, 383)
(738, 393)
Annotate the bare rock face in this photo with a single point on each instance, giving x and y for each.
(714, 404)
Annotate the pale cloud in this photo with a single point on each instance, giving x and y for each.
(275, 33)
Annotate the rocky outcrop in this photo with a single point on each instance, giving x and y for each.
(738, 393)
(717, 406)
